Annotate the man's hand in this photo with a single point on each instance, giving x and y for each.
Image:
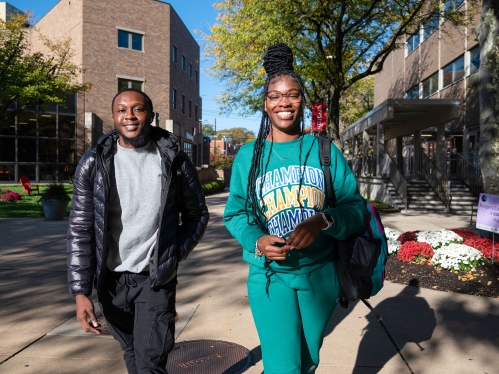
(85, 309)
(305, 233)
(274, 247)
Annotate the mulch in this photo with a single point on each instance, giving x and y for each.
(483, 281)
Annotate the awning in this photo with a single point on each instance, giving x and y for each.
(404, 116)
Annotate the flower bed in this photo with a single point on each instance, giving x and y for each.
(7, 196)
(458, 249)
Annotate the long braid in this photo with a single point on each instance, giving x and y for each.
(278, 62)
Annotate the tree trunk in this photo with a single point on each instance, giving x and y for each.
(334, 118)
(489, 96)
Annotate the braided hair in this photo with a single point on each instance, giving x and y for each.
(277, 62)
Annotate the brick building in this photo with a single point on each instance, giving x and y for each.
(118, 43)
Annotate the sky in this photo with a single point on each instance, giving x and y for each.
(197, 15)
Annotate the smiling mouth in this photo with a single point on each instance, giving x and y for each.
(131, 127)
(285, 115)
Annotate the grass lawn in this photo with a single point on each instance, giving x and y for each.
(28, 205)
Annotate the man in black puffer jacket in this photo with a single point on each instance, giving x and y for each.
(137, 210)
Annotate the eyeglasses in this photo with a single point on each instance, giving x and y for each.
(275, 97)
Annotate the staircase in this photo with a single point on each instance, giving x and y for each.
(423, 199)
(463, 200)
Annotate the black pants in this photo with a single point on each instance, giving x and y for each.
(141, 319)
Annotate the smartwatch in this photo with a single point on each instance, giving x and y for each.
(328, 219)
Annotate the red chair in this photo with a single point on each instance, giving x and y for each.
(27, 187)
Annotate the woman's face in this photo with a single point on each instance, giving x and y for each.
(283, 104)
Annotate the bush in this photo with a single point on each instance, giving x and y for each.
(210, 188)
(56, 191)
(484, 245)
(9, 196)
(415, 252)
(408, 236)
(219, 161)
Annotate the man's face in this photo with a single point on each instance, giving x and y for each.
(131, 119)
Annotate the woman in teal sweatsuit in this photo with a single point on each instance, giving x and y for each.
(277, 211)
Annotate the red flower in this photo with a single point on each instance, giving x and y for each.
(484, 245)
(409, 236)
(466, 234)
(412, 251)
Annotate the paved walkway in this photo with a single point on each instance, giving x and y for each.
(437, 332)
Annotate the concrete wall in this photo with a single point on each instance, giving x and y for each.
(373, 189)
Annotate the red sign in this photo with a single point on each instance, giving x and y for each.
(319, 117)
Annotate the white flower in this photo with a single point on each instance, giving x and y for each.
(457, 257)
(393, 245)
(438, 238)
(391, 233)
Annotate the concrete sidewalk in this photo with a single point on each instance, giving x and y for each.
(437, 332)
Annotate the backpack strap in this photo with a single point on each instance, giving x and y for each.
(325, 158)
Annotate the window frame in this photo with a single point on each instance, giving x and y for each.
(453, 72)
(174, 98)
(475, 48)
(182, 105)
(412, 89)
(131, 81)
(183, 63)
(130, 43)
(174, 53)
(431, 80)
(409, 43)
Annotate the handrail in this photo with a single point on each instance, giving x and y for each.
(389, 168)
(436, 179)
(469, 174)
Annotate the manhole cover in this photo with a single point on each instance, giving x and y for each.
(208, 357)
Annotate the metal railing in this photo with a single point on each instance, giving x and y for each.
(390, 169)
(435, 178)
(469, 174)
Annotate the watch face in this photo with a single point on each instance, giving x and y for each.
(329, 218)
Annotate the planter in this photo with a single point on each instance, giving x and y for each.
(53, 209)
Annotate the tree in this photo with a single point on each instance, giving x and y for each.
(357, 101)
(488, 91)
(207, 129)
(33, 78)
(236, 135)
(336, 44)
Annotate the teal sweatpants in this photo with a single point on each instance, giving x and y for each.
(292, 318)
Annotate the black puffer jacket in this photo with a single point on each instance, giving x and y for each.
(183, 213)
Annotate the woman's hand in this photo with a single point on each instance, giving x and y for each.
(305, 233)
(273, 247)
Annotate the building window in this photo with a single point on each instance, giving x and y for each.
(174, 53)
(474, 59)
(430, 85)
(413, 92)
(452, 5)
(124, 83)
(431, 25)
(197, 77)
(182, 104)
(174, 98)
(196, 113)
(130, 40)
(190, 70)
(412, 43)
(190, 108)
(190, 151)
(453, 72)
(183, 62)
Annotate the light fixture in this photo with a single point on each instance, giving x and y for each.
(46, 115)
(32, 119)
(23, 123)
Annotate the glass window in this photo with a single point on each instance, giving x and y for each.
(7, 150)
(174, 98)
(196, 112)
(8, 127)
(47, 125)
(454, 71)
(26, 124)
(474, 59)
(174, 53)
(190, 151)
(190, 109)
(67, 151)
(182, 104)
(412, 43)
(452, 5)
(431, 25)
(128, 83)
(6, 171)
(26, 150)
(48, 150)
(69, 107)
(122, 39)
(67, 127)
(413, 93)
(130, 40)
(48, 172)
(183, 63)
(430, 85)
(190, 70)
(27, 170)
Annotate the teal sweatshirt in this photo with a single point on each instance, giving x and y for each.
(287, 204)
